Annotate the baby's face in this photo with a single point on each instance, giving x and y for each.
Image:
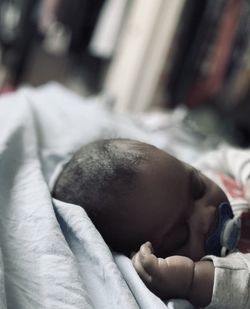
(174, 206)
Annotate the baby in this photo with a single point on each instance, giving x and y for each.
(163, 213)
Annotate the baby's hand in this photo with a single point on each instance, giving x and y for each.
(175, 276)
(170, 277)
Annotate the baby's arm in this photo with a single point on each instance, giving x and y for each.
(175, 276)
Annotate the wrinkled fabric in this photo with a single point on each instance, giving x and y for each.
(51, 255)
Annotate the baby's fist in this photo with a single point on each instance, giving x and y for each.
(169, 277)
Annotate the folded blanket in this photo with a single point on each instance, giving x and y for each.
(51, 254)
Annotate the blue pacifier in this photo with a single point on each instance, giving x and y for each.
(226, 234)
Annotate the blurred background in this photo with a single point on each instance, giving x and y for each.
(144, 54)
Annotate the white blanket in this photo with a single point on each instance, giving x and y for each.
(51, 254)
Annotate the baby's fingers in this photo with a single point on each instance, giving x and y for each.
(149, 261)
(146, 261)
(147, 248)
(140, 269)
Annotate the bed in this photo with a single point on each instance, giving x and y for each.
(51, 254)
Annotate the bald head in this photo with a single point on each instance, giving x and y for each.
(101, 177)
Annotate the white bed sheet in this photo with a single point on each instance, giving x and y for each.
(51, 254)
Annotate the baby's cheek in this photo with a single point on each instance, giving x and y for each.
(173, 242)
(194, 250)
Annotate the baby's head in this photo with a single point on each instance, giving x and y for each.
(134, 192)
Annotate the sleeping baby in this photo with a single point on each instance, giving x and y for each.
(175, 223)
